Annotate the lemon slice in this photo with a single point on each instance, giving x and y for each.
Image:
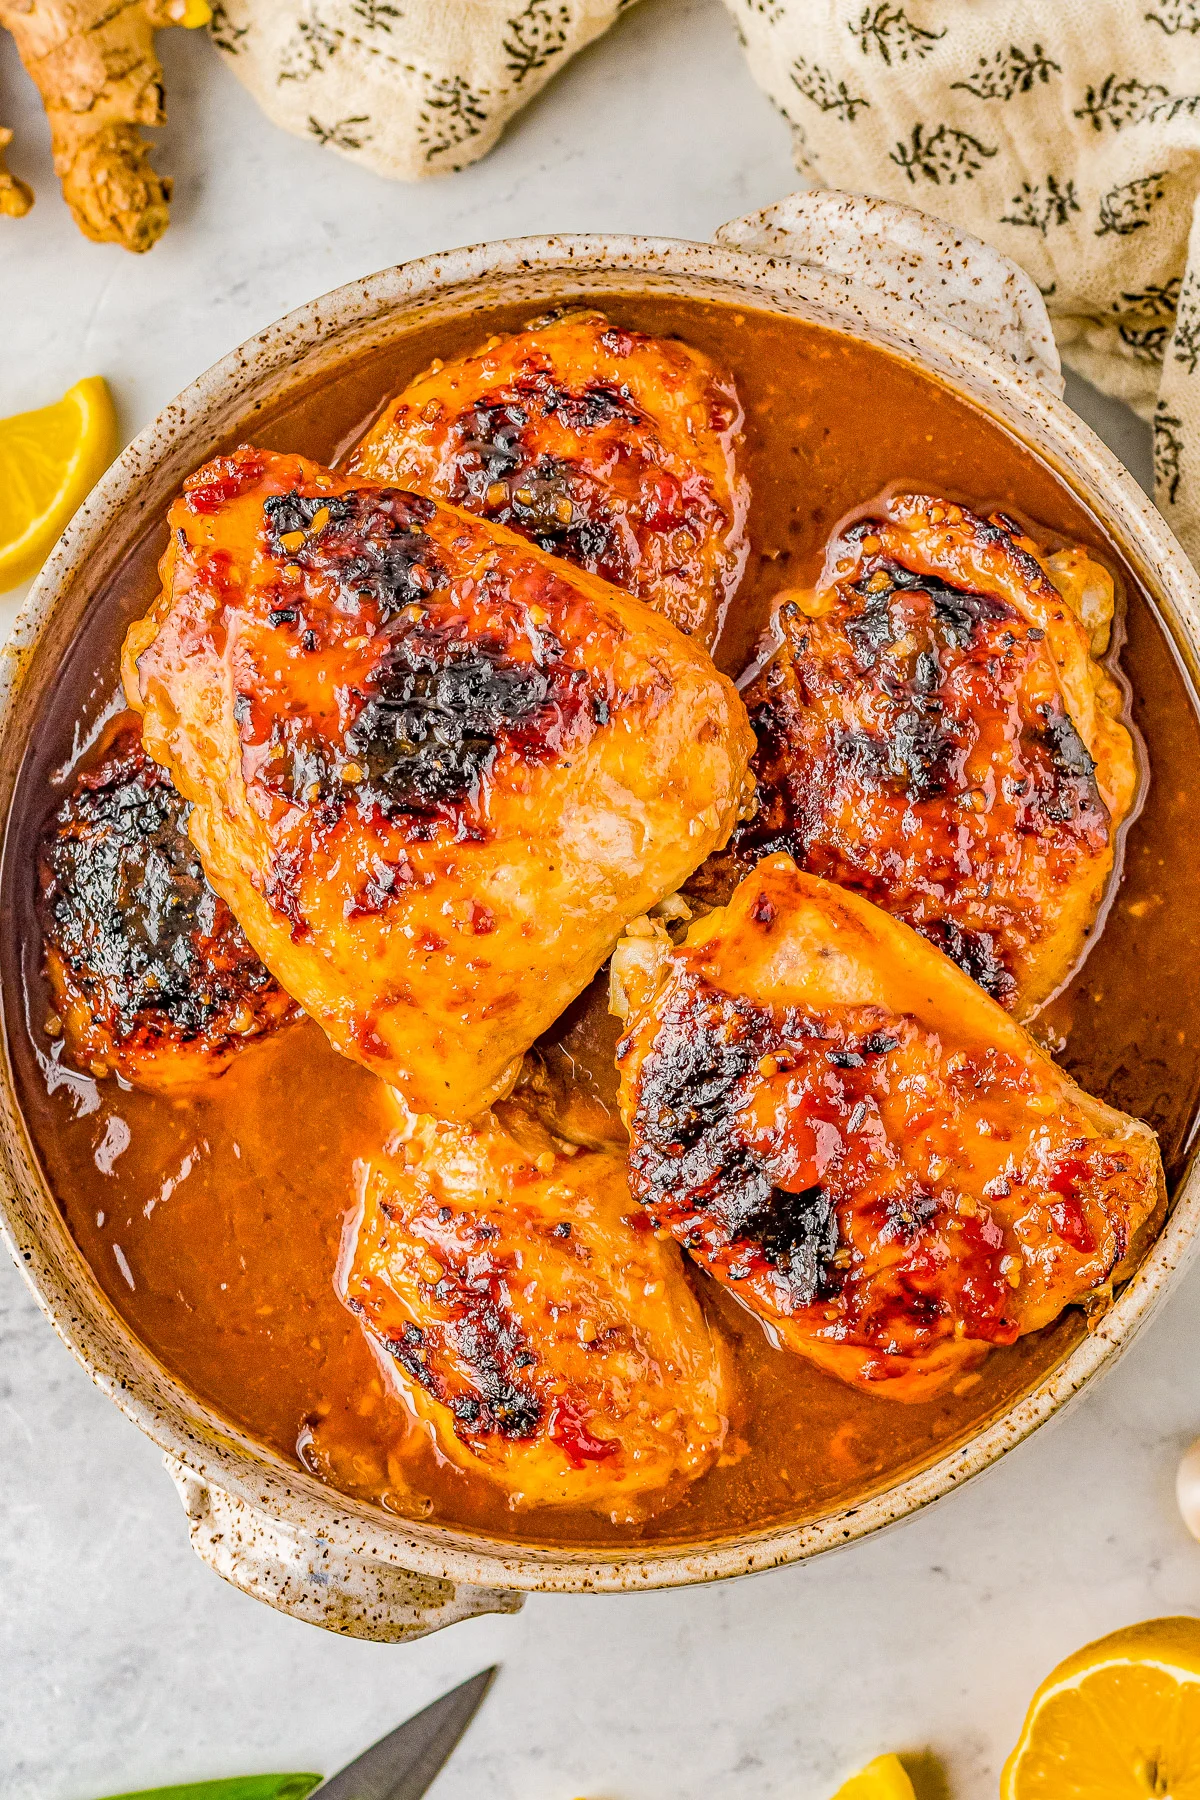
(1119, 1720)
(883, 1779)
(49, 461)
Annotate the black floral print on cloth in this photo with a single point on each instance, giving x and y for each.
(409, 87)
(1068, 136)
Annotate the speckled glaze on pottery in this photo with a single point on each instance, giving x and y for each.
(881, 272)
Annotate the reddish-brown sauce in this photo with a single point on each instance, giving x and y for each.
(213, 1220)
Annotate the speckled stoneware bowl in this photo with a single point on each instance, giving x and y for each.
(884, 273)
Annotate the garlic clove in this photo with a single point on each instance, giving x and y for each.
(1187, 1488)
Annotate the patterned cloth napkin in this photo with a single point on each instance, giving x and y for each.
(1066, 134)
(408, 87)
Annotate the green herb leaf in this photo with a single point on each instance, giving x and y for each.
(237, 1787)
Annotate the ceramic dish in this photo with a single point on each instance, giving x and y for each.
(883, 275)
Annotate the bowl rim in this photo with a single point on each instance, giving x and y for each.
(347, 321)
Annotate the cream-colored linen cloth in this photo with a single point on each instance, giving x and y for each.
(408, 87)
(1064, 132)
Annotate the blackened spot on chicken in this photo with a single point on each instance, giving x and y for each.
(688, 1152)
(556, 502)
(1068, 752)
(907, 1215)
(1063, 792)
(406, 1346)
(957, 613)
(139, 930)
(489, 1340)
(871, 631)
(372, 545)
(960, 614)
(491, 444)
(916, 757)
(563, 514)
(798, 1233)
(591, 542)
(920, 751)
(432, 726)
(286, 513)
(587, 408)
(439, 704)
(484, 1337)
(693, 1078)
(976, 954)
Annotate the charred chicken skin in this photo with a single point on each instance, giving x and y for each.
(550, 1341)
(936, 733)
(432, 770)
(152, 977)
(875, 1158)
(611, 449)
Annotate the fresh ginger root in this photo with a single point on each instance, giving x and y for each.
(15, 197)
(94, 64)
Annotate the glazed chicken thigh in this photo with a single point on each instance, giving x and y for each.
(549, 1339)
(869, 1152)
(151, 975)
(609, 448)
(936, 733)
(432, 771)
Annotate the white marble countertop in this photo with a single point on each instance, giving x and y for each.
(124, 1662)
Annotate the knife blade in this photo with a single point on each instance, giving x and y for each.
(404, 1764)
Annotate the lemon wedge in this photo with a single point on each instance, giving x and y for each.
(1119, 1720)
(883, 1779)
(49, 461)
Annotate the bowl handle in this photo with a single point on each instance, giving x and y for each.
(315, 1580)
(910, 256)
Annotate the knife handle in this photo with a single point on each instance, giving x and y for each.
(306, 1575)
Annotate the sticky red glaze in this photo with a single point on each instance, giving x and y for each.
(152, 975)
(567, 1429)
(223, 480)
(542, 1339)
(469, 1352)
(384, 679)
(609, 448)
(816, 1165)
(914, 744)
